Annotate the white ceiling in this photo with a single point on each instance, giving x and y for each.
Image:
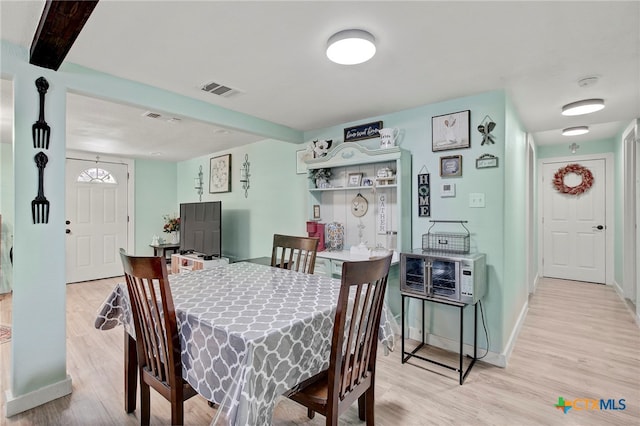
(273, 52)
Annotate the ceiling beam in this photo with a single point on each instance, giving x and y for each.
(59, 26)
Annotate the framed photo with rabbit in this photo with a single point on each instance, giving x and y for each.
(451, 131)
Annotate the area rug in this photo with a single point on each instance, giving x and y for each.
(5, 334)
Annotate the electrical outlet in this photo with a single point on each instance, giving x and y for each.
(476, 200)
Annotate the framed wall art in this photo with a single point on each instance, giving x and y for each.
(220, 174)
(450, 131)
(451, 166)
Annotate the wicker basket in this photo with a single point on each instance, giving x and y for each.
(448, 242)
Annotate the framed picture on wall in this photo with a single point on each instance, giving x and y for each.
(220, 174)
(450, 131)
(451, 166)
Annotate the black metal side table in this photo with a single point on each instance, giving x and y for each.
(460, 368)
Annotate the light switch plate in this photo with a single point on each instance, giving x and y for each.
(476, 200)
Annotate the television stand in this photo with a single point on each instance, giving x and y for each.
(192, 262)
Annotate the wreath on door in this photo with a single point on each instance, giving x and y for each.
(583, 172)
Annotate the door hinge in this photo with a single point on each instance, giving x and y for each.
(127, 218)
(127, 175)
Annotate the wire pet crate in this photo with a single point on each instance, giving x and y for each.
(448, 242)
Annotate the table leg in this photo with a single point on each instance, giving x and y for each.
(130, 373)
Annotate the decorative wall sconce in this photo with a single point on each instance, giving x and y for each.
(199, 183)
(244, 175)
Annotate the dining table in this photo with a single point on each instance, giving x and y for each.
(248, 334)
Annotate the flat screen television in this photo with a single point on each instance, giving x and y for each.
(201, 228)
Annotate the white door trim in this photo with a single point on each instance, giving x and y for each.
(629, 289)
(532, 273)
(609, 211)
(78, 155)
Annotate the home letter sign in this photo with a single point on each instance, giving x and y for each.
(424, 195)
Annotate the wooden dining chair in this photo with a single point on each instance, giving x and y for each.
(352, 362)
(157, 341)
(295, 253)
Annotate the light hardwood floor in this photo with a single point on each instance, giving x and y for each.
(578, 341)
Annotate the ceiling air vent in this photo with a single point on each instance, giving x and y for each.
(150, 114)
(220, 90)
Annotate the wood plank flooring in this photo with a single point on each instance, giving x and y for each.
(578, 341)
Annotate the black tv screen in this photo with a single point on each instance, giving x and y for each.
(201, 228)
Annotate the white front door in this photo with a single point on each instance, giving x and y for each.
(574, 226)
(96, 196)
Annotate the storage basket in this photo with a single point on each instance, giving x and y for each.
(448, 242)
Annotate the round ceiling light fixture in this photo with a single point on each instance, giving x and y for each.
(583, 107)
(351, 47)
(575, 131)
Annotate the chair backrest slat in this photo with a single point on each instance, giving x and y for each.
(155, 324)
(295, 253)
(355, 332)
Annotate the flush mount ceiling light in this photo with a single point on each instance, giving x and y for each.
(583, 107)
(575, 131)
(351, 47)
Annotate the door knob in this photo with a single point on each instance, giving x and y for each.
(67, 231)
(599, 227)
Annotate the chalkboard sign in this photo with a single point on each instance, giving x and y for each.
(362, 131)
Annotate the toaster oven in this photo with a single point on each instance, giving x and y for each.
(460, 277)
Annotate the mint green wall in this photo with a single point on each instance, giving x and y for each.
(155, 196)
(486, 224)
(275, 202)
(515, 290)
(586, 148)
(6, 210)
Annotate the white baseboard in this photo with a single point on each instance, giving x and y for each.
(19, 404)
(515, 331)
(620, 292)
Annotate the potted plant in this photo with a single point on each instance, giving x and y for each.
(172, 226)
(320, 177)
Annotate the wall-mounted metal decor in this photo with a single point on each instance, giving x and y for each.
(40, 130)
(244, 175)
(424, 195)
(362, 131)
(40, 204)
(485, 128)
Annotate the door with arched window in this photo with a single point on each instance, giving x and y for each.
(96, 197)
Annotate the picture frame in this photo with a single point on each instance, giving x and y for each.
(367, 182)
(220, 174)
(301, 166)
(354, 179)
(451, 131)
(451, 166)
(486, 161)
(316, 211)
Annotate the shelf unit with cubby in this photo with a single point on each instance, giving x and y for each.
(387, 222)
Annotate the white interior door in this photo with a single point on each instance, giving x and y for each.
(96, 196)
(574, 227)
